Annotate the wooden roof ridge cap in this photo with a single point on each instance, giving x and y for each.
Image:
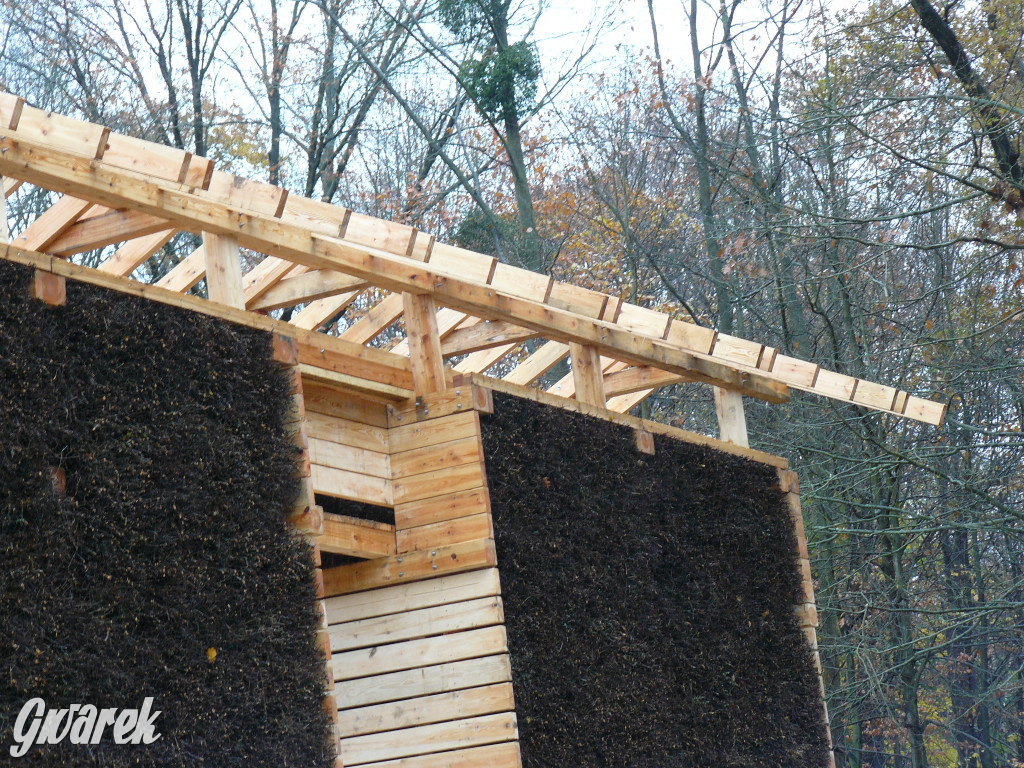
(624, 419)
(56, 265)
(924, 409)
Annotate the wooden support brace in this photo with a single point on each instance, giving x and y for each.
(732, 423)
(223, 270)
(424, 344)
(5, 233)
(587, 374)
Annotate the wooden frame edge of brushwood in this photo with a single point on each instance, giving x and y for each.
(807, 611)
(384, 371)
(540, 396)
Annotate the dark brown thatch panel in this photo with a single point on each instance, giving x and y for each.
(649, 600)
(144, 478)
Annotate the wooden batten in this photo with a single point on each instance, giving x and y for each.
(806, 611)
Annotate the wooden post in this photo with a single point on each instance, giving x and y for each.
(5, 233)
(223, 270)
(732, 423)
(424, 344)
(587, 374)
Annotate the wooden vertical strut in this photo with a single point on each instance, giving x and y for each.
(5, 233)
(428, 373)
(306, 516)
(732, 423)
(807, 610)
(587, 374)
(223, 270)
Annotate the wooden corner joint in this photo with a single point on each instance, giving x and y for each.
(285, 349)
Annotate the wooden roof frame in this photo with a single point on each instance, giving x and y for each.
(118, 190)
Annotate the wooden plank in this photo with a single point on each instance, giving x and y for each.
(415, 624)
(109, 228)
(223, 269)
(135, 253)
(587, 374)
(643, 320)
(358, 538)
(492, 756)
(522, 282)
(732, 423)
(453, 453)
(439, 482)
(456, 705)
(637, 379)
(423, 681)
(11, 107)
(351, 485)
(740, 351)
(247, 194)
(449, 506)
(86, 140)
(455, 531)
(449, 259)
(391, 236)
(345, 432)
(454, 588)
(690, 336)
(383, 314)
(306, 287)
(539, 363)
(428, 372)
(625, 403)
(374, 366)
(421, 434)
(582, 301)
(318, 313)
(345, 382)
(426, 739)
(478, 362)
(331, 401)
(385, 571)
(457, 399)
(410, 654)
(330, 454)
(265, 275)
(186, 273)
(484, 336)
(147, 157)
(51, 223)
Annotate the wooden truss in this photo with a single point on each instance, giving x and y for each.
(318, 259)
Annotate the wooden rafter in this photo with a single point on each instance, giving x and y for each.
(306, 287)
(135, 253)
(52, 223)
(106, 228)
(186, 273)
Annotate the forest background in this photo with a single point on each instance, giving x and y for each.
(841, 182)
